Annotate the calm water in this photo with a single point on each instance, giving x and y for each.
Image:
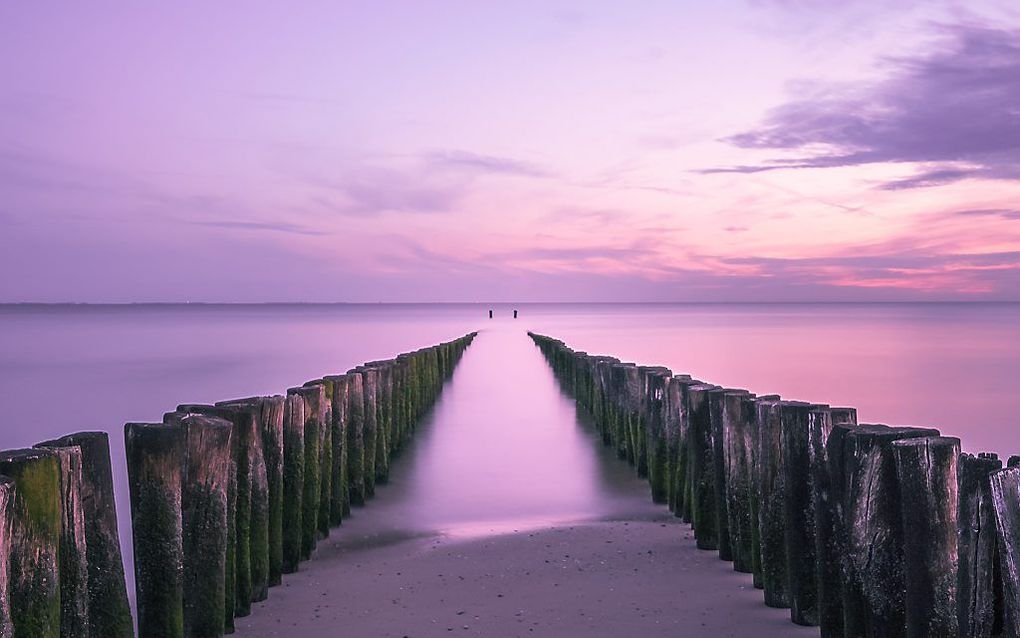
(504, 449)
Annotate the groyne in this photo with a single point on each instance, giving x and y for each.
(224, 498)
(863, 530)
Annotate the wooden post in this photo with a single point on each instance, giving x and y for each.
(826, 433)
(1006, 502)
(154, 461)
(293, 480)
(715, 408)
(704, 513)
(325, 456)
(873, 594)
(771, 480)
(927, 473)
(74, 575)
(356, 437)
(314, 399)
(370, 435)
(109, 613)
(251, 524)
(34, 542)
(656, 443)
(801, 560)
(979, 592)
(208, 465)
(739, 424)
(269, 414)
(6, 525)
(339, 499)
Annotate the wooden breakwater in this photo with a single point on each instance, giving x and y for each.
(866, 531)
(225, 499)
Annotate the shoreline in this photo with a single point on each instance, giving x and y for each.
(638, 575)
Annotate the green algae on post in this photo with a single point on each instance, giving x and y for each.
(293, 481)
(35, 542)
(206, 473)
(109, 613)
(74, 576)
(155, 454)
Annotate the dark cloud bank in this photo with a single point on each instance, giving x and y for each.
(954, 109)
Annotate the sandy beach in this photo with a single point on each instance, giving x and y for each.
(638, 576)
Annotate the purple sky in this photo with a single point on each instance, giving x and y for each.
(457, 151)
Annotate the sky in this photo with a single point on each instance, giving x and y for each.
(739, 150)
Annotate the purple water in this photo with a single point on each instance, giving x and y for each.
(503, 448)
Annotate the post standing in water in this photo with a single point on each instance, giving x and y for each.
(490, 314)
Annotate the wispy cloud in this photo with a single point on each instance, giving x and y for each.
(465, 160)
(276, 227)
(953, 110)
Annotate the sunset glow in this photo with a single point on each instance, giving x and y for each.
(748, 150)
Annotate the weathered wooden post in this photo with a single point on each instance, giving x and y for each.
(370, 424)
(251, 511)
(6, 523)
(269, 414)
(656, 444)
(873, 594)
(927, 473)
(739, 424)
(1006, 502)
(801, 560)
(979, 590)
(293, 480)
(827, 431)
(772, 510)
(704, 512)
(74, 578)
(314, 411)
(325, 456)
(154, 459)
(208, 465)
(715, 410)
(672, 425)
(35, 542)
(356, 438)
(1013, 461)
(109, 613)
(339, 498)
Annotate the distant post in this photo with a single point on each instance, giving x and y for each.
(490, 314)
(515, 314)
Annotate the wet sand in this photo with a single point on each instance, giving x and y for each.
(507, 517)
(640, 577)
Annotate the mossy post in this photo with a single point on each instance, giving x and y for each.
(801, 558)
(6, 523)
(356, 438)
(325, 456)
(1006, 502)
(656, 439)
(704, 513)
(370, 424)
(750, 408)
(109, 613)
(74, 575)
(676, 448)
(715, 411)
(927, 472)
(827, 432)
(339, 498)
(384, 418)
(738, 432)
(293, 480)
(269, 413)
(207, 469)
(251, 525)
(771, 479)
(314, 399)
(978, 592)
(154, 461)
(35, 542)
(873, 594)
